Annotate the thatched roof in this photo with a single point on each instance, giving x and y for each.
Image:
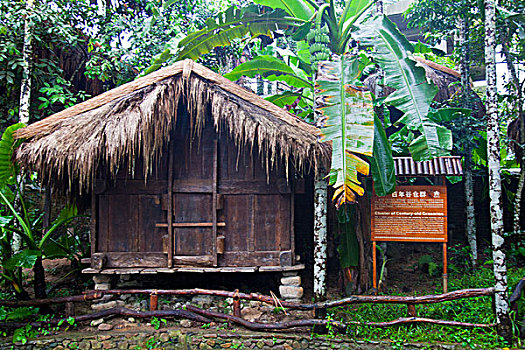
(136, 118)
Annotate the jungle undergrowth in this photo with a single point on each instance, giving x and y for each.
(472, 310)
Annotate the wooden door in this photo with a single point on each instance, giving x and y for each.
(194, 198)
(257, 208)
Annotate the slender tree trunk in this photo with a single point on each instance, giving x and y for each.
(469, 183)
(25, 92)
(320, 238)
(27, 62)
(471, 215)
(516, 226)
(496, 205)
(39, 286)
(517, 85)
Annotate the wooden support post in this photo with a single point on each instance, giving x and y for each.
(93, 225)
(214, 203)
(374, 266)
(236, 304)
(445, 274)
(411, 310)
(69, 309)
(153, 302)
(320, 238)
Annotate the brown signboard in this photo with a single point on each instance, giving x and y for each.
(411, 214)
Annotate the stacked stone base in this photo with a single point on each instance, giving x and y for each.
(290, 288)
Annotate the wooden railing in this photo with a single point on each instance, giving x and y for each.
(205, 316)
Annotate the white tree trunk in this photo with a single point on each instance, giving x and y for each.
(320, 238)
(25, 92)
(27, 62)
(468, 181)
(496, 207)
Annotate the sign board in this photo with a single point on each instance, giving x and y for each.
(411, 214)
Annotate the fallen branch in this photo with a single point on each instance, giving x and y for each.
(118, 311)
(394, 299)
(91, 295)
(406, 320)
(340, 325)
(265, 326)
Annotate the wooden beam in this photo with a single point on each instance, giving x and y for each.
(191, 224)
(169, 215)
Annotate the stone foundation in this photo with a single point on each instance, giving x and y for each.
(290, 288)
(205, 339)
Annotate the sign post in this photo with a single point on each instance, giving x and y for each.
(411, 214)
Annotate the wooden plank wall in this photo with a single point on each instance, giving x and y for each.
(218, 190)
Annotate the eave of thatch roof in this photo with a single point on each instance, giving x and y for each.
(136, 118)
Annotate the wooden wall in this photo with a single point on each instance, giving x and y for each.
(222, 206)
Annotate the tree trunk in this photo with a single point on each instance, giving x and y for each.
(469, 183)
(519, 103)
(496, 205)
(471, 215)
(320, 238)
(516, 226)
(25, 93)
(27, 62)
(39, 286)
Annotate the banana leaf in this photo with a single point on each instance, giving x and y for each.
(286, 98)
(296, 8)
(270, 68)
(348, 123)
(382, 163)
(7, 146)
(234, 23)
(413, 95)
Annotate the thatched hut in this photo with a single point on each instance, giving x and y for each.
(187, 171)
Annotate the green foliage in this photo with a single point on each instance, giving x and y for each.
(413, 95)
(349, 125)
(427, 264)
(296, 8)
(270, 68)
(477, 310)
(7, 146)
(382, 163)
(157, 323)
(55, 29)
(233, 23)
(18, 216)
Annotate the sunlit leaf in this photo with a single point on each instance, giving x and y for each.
(296, 8)
(348, 123)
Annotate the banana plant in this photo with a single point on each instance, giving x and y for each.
(332, 32)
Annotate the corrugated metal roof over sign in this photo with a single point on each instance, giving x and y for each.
(447, 166)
